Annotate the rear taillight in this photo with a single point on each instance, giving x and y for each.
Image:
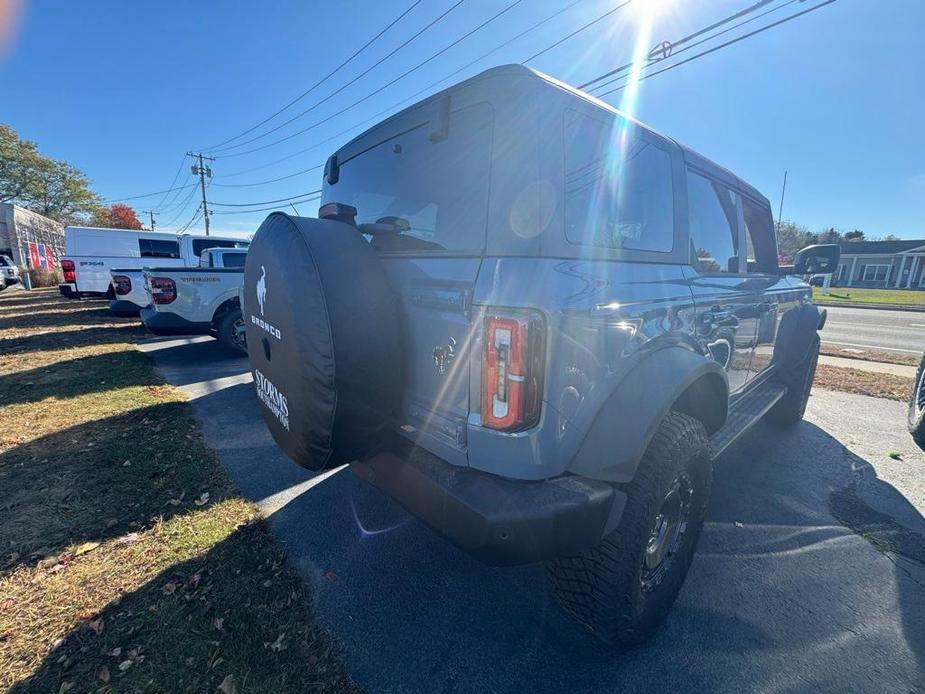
(512, 372)
(122, 284)
(163, 290)
(68, 267)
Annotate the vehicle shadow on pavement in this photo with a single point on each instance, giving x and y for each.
(781, 596)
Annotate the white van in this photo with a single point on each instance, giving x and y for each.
(90, 254)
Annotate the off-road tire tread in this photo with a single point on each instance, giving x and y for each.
(601, 587)
(225, 326)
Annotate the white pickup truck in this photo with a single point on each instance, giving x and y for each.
(196, 301)
(90, 253)
(128, 284)
(9, 273)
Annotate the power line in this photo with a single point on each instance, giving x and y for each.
(149, 195)
(266, 202)
(264, 209)
(272, 180)
(667, 48)
(724, 45)
(354, 80)
(172, 183)
(323, 79)
(191, 221)
(443, 50)
(202, 171)
(376, 116)
(579, 30)
(182, 208)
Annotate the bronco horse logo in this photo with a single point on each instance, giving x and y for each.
(262, 288)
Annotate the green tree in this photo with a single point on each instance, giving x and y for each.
(856, 235)
(48, 186)
(791, 237)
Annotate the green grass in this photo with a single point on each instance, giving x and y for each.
(128, 562)
(855, 295)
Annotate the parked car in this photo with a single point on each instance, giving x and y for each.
(90, 254)
(534, 323)
(128, 284)
(9, 273)
(197, 301)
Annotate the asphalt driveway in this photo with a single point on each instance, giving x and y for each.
(783, 595)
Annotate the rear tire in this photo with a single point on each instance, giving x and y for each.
(799, 381)
(623, 589)
(915, 420)
(231, 332)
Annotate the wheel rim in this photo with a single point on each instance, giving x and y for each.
(668, 531)
(920, 392)
(238, 334)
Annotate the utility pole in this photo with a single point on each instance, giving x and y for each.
(150, 213)
(780, 211)
(202, 171)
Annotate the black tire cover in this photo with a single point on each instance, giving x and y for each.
(323, 339)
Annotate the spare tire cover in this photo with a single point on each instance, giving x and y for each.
(323, 339)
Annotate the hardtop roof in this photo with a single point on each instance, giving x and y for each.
(516, 70)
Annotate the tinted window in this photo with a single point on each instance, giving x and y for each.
(199, 245)
(712, 219)
(5, 261)
(617, 187)
(153, 248)
(760, 243)
(234, 259)
(440, 188)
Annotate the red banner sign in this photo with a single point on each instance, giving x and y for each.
(34, 258)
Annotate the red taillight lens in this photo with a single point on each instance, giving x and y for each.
(163, 290)
(122, 284)
(512, 372)
(67, 266)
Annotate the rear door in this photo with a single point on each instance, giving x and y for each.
(725, 304)
(433, 187)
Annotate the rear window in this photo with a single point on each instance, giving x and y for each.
(618, 191)
(5, 261)
(233, 259)
(155, 248)
(440, 188)
(199, 245)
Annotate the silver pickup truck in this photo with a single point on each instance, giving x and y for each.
(197, 301)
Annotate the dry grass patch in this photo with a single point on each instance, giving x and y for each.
(878, 385)
(127, 560)
(877, 355)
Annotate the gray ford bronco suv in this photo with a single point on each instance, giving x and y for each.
(533, 322)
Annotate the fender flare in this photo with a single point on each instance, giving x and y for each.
(628, 419)
(795, 335)
(223, 308)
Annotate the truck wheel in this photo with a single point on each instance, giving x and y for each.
(916, 417)
(623, 588)
(231, 332)
(799, 381)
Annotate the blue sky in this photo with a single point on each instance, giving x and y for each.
(121, 90)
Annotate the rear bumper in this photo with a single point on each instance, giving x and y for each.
(123, 308)
(68, 290)
(500, 521)
(163, 323)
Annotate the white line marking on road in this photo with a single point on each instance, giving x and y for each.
(917, 325)
(888, 349)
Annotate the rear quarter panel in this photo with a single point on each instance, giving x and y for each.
(602, 318)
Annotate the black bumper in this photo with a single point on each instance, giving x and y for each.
(162, 323)
(68, 291)
(500, 521)
(124, 309)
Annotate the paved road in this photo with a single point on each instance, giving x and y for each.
(781, 597)
(902, 331)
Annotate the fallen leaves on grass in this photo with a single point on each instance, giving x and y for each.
(877, 385)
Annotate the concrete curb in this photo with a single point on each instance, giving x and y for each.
(880, 307)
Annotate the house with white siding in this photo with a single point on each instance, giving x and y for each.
(899, 264)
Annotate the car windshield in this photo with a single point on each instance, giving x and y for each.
(439, 187)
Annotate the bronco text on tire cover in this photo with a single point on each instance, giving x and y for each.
(323, 334)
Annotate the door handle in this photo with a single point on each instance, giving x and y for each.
(765, 307)
(717, 315)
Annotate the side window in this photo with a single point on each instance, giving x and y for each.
(712, 220)
(760, 243)
(199, 245)
(155, 248)
(617, 189)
